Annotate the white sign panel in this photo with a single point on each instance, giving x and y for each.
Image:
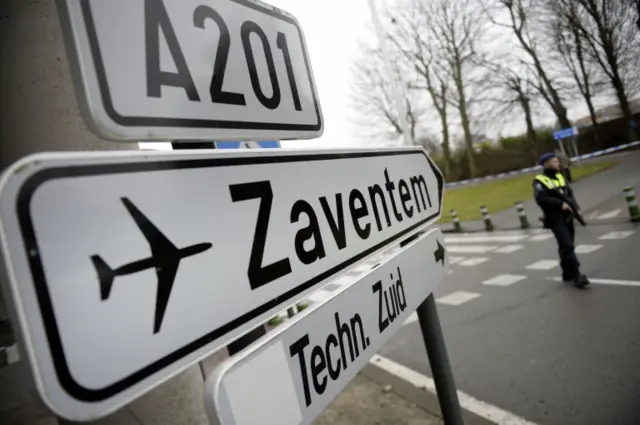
(155, 260)
(191, 69)
(289, 378)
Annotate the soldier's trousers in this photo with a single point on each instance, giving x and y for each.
(564, 232)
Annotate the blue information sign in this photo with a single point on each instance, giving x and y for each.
(565, 133)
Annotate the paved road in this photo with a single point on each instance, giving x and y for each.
(539, 348)
(600, 196)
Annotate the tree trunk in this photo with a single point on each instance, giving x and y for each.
(585, 88)
(594, 120)
(468, 141)
(531, 131)
(464, 118)
(446, 149)
(624, 107)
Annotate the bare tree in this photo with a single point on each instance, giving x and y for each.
(441, 37)
(513, 90)
(438, 90)
(520, 22)
(371, 97)
(457, 28)
(608, 28)
(407, 35)
(567, 44)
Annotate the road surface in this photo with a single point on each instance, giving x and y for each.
(539, 348)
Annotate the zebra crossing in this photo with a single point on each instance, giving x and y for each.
(468, 251)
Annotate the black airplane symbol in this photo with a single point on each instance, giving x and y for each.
(165, 258)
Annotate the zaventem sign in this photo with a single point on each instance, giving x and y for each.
(190, 69)
(304, 365)
(155, 260)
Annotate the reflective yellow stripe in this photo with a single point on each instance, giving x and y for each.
(550, 183)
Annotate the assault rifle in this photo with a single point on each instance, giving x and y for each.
(575, 211)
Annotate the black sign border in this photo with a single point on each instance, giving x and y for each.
(23, 207)
(141, 121)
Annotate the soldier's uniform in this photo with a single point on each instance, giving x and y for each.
(549, 188)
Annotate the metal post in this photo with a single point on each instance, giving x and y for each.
(562, 147)
(632, 204)
(438, 357)
(291, 311)
(455, 220)
(522, 215)
(486, 217)
(439, 361)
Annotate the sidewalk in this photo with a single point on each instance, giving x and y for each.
(365, 402)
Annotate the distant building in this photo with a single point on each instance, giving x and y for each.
(608, 113)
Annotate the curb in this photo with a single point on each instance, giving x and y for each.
(420, 397)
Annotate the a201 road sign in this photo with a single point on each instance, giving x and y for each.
(293, 375)
(125, 268)
(191, 69)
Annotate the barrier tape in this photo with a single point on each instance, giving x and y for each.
(538, 167)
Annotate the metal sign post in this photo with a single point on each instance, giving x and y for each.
(436, 347)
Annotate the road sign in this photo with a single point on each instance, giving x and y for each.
(565, 133)
(153, 260)
(295, 373)
(191, 69)
(264, 144)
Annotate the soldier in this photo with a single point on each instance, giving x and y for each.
(555, 198)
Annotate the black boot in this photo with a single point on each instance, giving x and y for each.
(581, 281)
(585, 280)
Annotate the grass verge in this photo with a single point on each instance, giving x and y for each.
(499, 195)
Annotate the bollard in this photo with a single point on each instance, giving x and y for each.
(488, 224)
(632, 203)
(291, 311)
(456, 222)
(524, 221)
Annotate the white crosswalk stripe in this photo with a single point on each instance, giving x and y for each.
(457, 298)
(471, 249)
(608, 215)
(604, 281)
(485, 239)
(543, 265)
(508, 249)
(504, 280)
(587, 249)
(474, 261)
(454, 259)
(622, 234)
(542, 237)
